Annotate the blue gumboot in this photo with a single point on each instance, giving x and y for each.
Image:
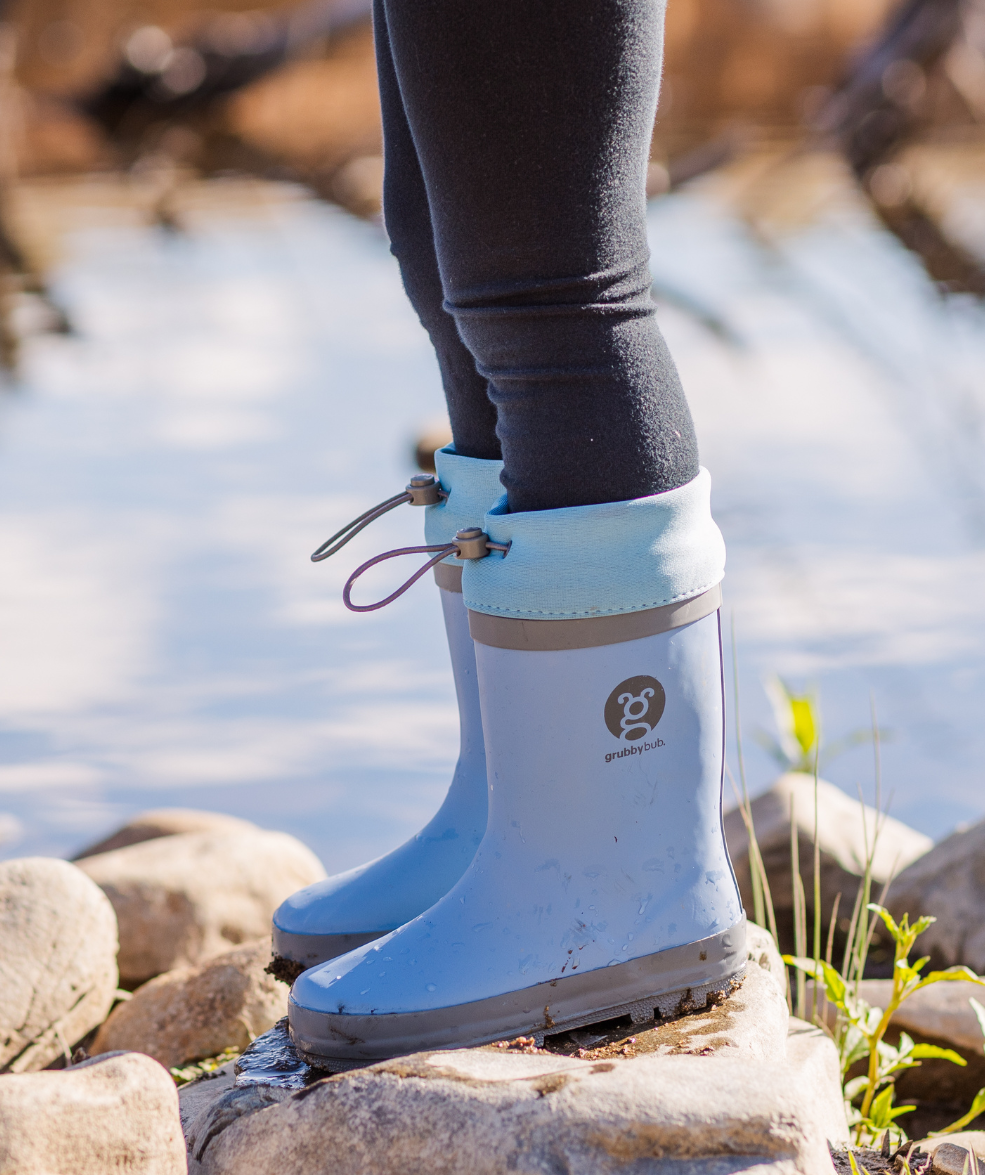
(602, 886)
(345, 911)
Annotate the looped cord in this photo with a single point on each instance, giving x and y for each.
(351, 529)
(423, 490)
(444, 550)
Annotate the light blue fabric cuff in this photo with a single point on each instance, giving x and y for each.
(472, 486)
(602, 560)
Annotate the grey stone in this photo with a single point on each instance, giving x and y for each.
(220, 1113)
(57, 960)
(951, 1159)
(842, 836)
(948, 883)
(160, 822)
(194, 1012)
(103, 1117)
(194, 1097)
(970, 1141)
(743, 1107)
(181, 900)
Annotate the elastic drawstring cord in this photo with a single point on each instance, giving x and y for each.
(472, 543)
(422, 490)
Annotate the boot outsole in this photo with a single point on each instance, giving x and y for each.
(663, 984)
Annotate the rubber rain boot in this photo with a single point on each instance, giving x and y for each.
(333, 916)
(602, 886)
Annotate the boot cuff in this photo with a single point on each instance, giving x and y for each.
(602, 560)
(472, 486)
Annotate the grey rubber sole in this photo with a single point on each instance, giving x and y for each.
(663, 984)
(311, 949)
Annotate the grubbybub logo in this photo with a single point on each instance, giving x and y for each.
(632, 711)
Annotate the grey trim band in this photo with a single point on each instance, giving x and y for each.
(505, 632)
(449, 577)
(667, 982)
(309, 949)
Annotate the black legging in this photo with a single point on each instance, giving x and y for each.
(516, 136)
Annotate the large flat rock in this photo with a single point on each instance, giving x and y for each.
(476, 1111)
(737, 1085)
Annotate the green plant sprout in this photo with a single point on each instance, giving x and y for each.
(857, 1168)
(798, 747)
(860, 1029)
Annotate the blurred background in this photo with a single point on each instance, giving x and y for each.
(208, 365)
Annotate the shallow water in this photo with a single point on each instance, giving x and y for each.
(273, 1060)
(237, 393)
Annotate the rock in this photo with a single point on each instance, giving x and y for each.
(950, 1159)
(221, 1112)
(102, 1117)
(183, 899)
(194, 1097)
(57, 962)
(486, 1111)
(949, 883)
(212, 1103)
(761, 950)
(841, 833)
(195, 1012)
(753, 1022)
(969, 1141)
(164, 822)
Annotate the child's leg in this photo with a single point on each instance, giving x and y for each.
(531, 123)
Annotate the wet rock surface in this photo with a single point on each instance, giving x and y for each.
(57, 960)
(194, 1012)
(183, 899)
(108, 1115)
(164, 822)
(194, 1097)
(842, 836)
(948, 883)
(228, 1107)
(273, 1060)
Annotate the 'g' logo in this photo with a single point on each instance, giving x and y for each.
(634, 708)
